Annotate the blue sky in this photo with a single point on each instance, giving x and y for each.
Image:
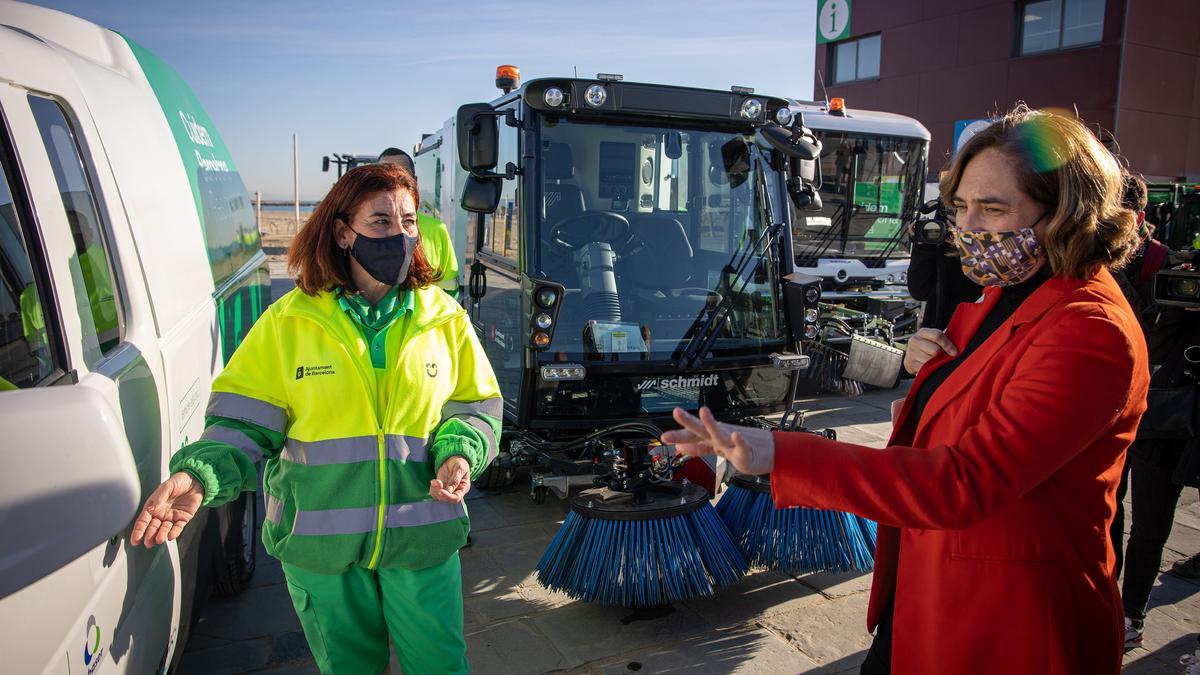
(359, 76)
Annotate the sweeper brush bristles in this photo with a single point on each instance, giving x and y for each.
(825, 369)
(641, 555)
(794, 540)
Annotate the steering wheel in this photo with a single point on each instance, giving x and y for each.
(591, 226)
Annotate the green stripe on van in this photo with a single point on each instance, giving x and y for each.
(222, 203)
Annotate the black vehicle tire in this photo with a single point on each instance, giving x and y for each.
(538, 494)
(498, 474)
(234, 563)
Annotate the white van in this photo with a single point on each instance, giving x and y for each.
(130, 268)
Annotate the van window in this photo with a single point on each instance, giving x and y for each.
(25, 354)
(91, 272)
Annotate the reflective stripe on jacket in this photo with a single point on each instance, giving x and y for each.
(350, 484)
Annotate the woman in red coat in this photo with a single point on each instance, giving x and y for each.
(995, 493)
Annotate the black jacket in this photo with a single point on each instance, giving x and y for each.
(937, 280)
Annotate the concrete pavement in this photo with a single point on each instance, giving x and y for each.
(768, 623)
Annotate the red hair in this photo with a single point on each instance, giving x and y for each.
(315, 258)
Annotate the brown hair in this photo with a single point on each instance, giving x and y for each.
(1134, 196)
(316, 260)
(1065, 168)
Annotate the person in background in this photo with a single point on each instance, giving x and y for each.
(435, 236)
(995, 492)
(369, 396)
(1136, 280)
(1152, 461)
(936, 278)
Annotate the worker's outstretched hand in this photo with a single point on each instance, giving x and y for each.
(749, 450)
(171, 506)
(453, 480)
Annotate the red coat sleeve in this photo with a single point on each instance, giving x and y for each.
(1067, 390)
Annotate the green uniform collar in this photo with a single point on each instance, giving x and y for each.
(376, 317)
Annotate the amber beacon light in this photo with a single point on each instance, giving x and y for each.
(508, 78)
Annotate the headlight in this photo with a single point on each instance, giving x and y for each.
(811, 315)
(546, 297)
(553, 97)
(595, 96)
(541, 340)
(810, 332)
(812, 294)
(751, 108)
(569, 371)
(542, 321)
(783, 116)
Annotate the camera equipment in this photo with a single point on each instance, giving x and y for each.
(1179, 286)
(932, 228)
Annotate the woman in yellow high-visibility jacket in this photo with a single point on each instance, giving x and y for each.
(371, 400)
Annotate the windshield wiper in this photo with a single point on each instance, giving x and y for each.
(696, 347)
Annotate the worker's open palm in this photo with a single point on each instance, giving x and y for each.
(453, 480)
(171, 506)
(749, 450)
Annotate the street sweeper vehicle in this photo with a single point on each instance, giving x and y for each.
(627, 252)
(870, 180)
(131, 269)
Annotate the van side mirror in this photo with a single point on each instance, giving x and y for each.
(65, 488)
(478, 137)
(481, 195)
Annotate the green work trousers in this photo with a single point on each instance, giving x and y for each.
(347, 618)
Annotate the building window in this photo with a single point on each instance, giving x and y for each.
(1050, 25)
(855, 60)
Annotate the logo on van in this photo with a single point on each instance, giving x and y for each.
(313, 371)
(195, 131)
(92, 653)
(678, 382)
(431, 369)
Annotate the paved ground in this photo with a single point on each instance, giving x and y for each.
(768, 623)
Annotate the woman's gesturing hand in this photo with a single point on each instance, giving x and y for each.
(453, 480)
(925, 344)
(171, 506)
(749, 450)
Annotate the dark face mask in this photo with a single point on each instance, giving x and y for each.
(386, 259)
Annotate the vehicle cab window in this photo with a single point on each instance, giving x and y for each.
(26, 357)
(90, 266)
(502, 230)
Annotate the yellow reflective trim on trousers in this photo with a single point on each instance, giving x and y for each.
(382, 503)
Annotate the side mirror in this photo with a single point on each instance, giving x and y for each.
(478, 137)
(67, 480)
(796, 142)
(481, 195)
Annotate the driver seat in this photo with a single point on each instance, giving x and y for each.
(661, 269)
(561, 199)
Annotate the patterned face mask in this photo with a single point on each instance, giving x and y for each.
(999, 258)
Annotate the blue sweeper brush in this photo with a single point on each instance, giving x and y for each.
(648, 547)
(794, 540)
